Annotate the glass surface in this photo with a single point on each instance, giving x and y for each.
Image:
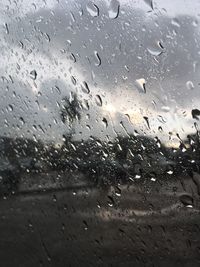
(99, 134)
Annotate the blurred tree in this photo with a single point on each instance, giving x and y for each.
(70, 110)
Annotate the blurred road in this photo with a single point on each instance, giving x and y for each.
(120, 226)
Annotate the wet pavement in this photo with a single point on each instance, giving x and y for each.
(83, 226)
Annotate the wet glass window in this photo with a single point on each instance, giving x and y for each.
(99, 133)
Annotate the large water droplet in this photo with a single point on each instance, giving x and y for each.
(156, 49)
(141, 85)
(189, 85)
(85, 88)
(113, 11)
(175, 22)
(21, 120)
(147, 121)
(98, 100)
(195, 114)
(97, 59)
(10, 107)
(187, 200)
(72, 57)
(104, 120)
(111, 201)
(73, 79)
(117, 191)
(92, 9)
(33, 74)
(85, 225)
(6, 27)
(149, 3)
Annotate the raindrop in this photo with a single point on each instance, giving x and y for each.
(72, 57)
(117, 191)
(141, 84)
(187, 200)
(98, 100)
(22, 120)
(165, 108)
(161, 119)
(111, 201)
(73, 80)
(10, 107)
(33, 74)
(147, 121)
(85, 88)
(47, 37)
(156, 50)
(175, 22)
(85, 225)
(113, 11)
(195, 114)
(149, 3)
(85, 105)
(105, 122)
(57, 89)
(170, 172)
(6, 27)
(189, 85)
(73, 17)
(97, 59)
(92, 9)
(158, 142)
(54, 198)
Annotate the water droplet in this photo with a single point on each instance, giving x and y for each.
(170, 172)
(165, 108)
(10, 107)
(175, 22)
(117, 191)
(6, 27)
(111, 201)
(72, 57)
(195, 114)
(147, 121)
(187, 200)
(189, 85)
(137, 176)
(73, 79)
(92, 9)
(149, 3)
(33, 74)
(85, 88)
(98, 100)
(57, 89)
(105, 122)
(161, 119)
(22, 120)
(97, 59)
(113, 11)
(85, 225)
(47, 37)
(54, 198)
(156, 50)
(141, 85)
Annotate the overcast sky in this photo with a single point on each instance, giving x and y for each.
(116, 45)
